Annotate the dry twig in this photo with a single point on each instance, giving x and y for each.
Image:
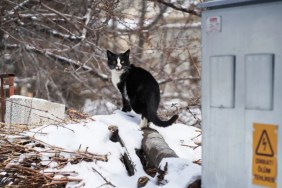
(107, 182)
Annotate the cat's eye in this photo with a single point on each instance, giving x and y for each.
(122, 62)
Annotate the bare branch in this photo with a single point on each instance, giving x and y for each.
(60, 14)
(171, 5)
(60, 58)
(18, 6)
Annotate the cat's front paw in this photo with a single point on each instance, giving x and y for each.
(126, 108)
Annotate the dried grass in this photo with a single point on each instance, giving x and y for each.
(28, 162)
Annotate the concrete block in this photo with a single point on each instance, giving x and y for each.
(33, 111)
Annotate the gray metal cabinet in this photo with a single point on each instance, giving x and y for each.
(241, 86)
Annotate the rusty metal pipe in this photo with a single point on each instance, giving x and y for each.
(2, 100)
(11, 92)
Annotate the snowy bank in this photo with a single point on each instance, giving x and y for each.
(93, 136)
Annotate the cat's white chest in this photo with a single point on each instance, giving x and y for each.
(116, 77)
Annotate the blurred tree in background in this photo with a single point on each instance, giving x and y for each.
(57, 49)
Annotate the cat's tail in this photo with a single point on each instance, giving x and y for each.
(156, 120)
(152, 106)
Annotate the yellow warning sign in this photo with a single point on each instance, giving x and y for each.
(264, 155)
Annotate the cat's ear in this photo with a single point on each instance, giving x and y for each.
(127, 53)
(109, 54)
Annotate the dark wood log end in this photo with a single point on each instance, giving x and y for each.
(142, 181)
(195, 184)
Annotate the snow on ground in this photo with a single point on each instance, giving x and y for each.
(94, 137)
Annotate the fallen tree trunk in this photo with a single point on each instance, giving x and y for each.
(155, 147)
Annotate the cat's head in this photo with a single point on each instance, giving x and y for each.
(118, 62)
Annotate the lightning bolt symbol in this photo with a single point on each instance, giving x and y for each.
(264, 143)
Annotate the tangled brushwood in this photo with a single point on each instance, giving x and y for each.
(24, 160)
(57, 49)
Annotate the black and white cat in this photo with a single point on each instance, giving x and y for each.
(139, 89)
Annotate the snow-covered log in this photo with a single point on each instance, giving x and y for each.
(125, 156)
(155, 147)
(157, 153)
